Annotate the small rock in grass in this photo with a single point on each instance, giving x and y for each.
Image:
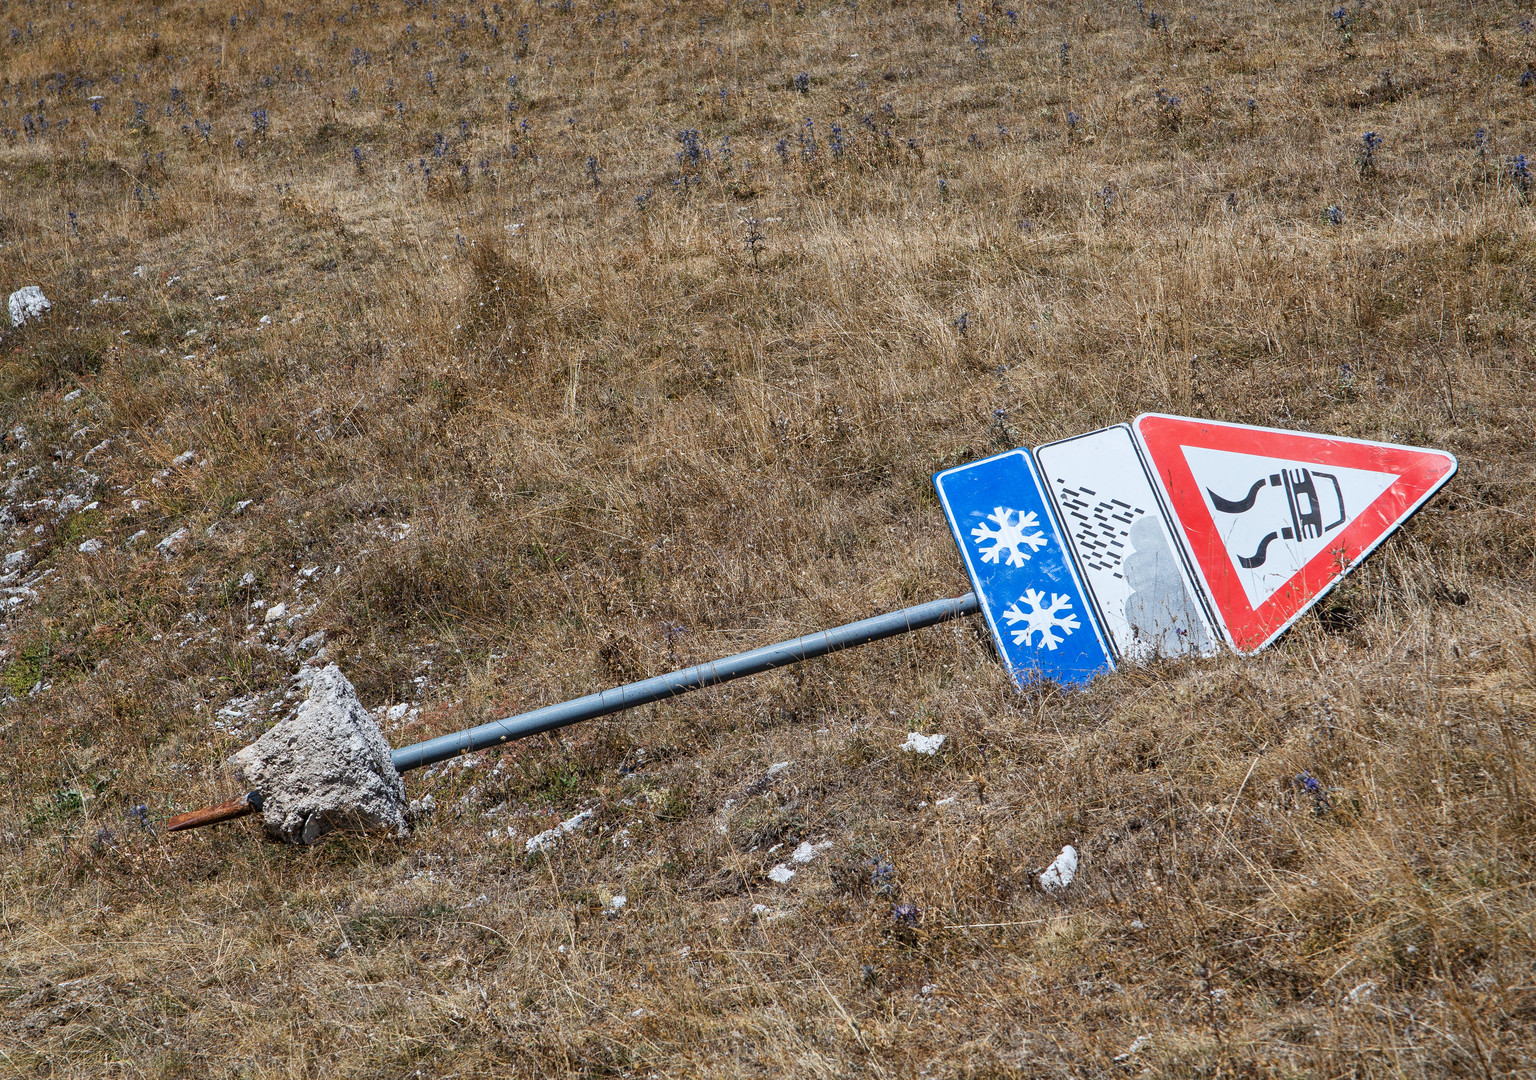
(923, 744)
(276, 612)
(1060, 873)
(1141, 1043)
(781, 874)
(420, 809)
(808, 851)
(764, 782)
(90, 547)
(550, 837)
(28, 302)
(173, 543)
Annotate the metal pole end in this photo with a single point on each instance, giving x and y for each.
(249, 803)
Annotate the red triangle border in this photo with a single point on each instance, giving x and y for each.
(1421, 472)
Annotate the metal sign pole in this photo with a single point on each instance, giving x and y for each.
(643, 692)
(680, 682)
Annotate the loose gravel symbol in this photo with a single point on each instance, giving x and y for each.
(1009, 536)
(1042, 619)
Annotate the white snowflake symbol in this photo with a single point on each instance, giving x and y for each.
(1044, 620)
(1010, 536)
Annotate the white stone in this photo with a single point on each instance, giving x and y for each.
(923, 744)
(781, 874)
(424, 807)
(172, 544)
(808, 851)
(90, 547)
(275, 612)
(1060, 873)
(28, 302)
(1363, 992)
(326, 767)
(183, 460)
(550, 837)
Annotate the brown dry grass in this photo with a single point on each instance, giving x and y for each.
(623, 441)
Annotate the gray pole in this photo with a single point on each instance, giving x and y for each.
(680, 682)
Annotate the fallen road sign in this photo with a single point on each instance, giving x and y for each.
(1268, 521)
(1272, 519)
(1041, 621)
(1124, 542)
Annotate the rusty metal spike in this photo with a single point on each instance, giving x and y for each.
(248, 803)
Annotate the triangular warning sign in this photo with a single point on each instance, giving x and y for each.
(1273, 519)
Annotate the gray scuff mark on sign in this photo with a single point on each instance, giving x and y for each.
(1136, 577)
(1160, 609)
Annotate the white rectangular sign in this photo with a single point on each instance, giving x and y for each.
(1125, 546)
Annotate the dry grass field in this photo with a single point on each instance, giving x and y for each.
(531, 347)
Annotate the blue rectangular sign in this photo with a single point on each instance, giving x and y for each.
(1029, 590)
